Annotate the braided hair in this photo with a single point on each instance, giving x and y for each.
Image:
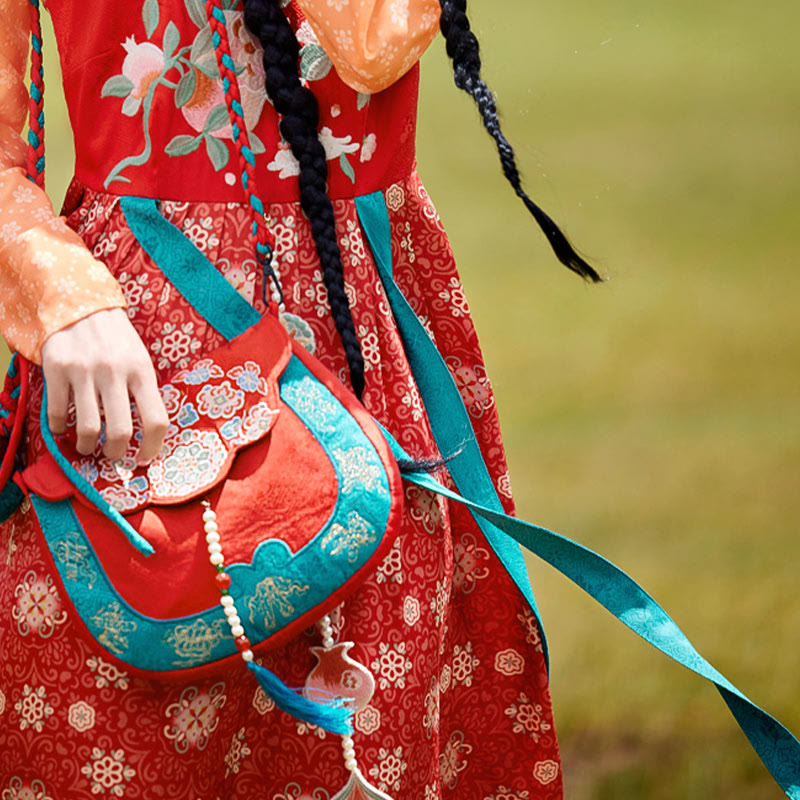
(299, 112)
(464, 51)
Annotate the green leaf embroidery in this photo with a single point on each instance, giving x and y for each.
(131, 105)
(196, 11)
(216, 119)
(117, 86)
(256, 145)
(171, 38)
(217, 152)
(202, 45)
(363, 99)
(347, 167)
(185, 89)
(150, 13)
(182, 145)
(314, 63)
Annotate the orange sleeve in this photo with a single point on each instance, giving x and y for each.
(373, 43)
(48, 277)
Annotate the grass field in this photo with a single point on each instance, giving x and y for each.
(653, 418)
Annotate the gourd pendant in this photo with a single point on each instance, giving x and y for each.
(336, 674)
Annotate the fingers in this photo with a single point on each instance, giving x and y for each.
(117, 412)
(152, 413)
(87, 414)
(57, 400)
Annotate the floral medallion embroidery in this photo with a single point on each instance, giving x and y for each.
(509, 662)
(464, 663)
(389, 770)
(33, 708)
(368, 720)
(528, 717)
(546, 771)
(38, 608)
(392, 665)
(411, 611)
(359, 469)
(108, 772)
(194, 717)
(274, 596)
(17, 790)
(81, 716)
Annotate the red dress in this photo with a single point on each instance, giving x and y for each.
(462, 706)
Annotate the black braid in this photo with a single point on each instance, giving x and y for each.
(463, 49)
(299, 113)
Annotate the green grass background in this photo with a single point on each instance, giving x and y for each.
(653, 418)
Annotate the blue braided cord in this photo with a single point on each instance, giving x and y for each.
(33, 139)
(226, 84)
(40, 165)
(86, 488)
(245, 180)
(257, 204)
(218, 13)
(12, 365)
(14, 393)
(35, 93)
(237, 131)
(248, 154)
(4, 412)
(216, 39)
(237, 107)
(228, 62)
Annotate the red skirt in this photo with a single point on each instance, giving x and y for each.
(462, 706)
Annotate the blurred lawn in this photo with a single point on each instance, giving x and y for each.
(653, 418)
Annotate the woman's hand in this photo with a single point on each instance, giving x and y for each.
(102, 357)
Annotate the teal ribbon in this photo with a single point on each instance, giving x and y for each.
(617, 592)
(203, 286)
(636, 609)
(449, 420)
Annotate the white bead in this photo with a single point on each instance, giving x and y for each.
(230, 610)
(209, 515)
(212, 537)
(214, 547)
(349, 755)
(282, 307)
(233, 620)
(347, 741)
(227, 602)
(350, 763)
(210, 525)
(216, 559)
(237, 631)
(327, 643)
(247, 655)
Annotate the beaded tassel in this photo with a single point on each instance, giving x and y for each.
(334, 715)
(344, 675)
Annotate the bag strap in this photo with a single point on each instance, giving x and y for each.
(775, 745)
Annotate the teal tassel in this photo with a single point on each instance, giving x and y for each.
(333, 716)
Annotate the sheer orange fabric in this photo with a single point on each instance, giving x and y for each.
(48, 278)
(373, 43)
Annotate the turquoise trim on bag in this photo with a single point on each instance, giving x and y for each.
(203, 286)
(277, 587)
(617, 592)
(448, 418)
